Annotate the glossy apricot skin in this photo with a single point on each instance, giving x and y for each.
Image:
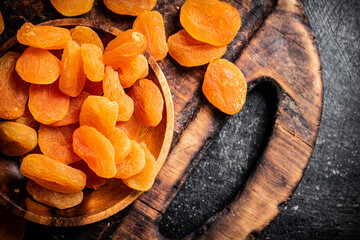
(45, 37)
(14, 92)
(72, 116)
(16, 138)
(132, 127)
(125, 47)
(2, 24)
(93, 62)
(225, 86)
(114, 92)
(133, 163)
(190, 52)
(71, 8)
(148, 102)
(100, 113)
(121, 144)
(72, 78)
(151, 25)
(52, 198)
(52, 174)
(47, 103)
(96, 150)
(144, 180)
(133, 8)
(93, 181)
(83, 35)
(210, 21)
(38, 66)
(131, 71)
(56, 142)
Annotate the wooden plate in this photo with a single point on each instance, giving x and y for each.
(114, 195)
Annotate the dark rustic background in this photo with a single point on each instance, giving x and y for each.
(326, 203)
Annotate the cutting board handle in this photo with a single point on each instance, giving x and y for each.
(284, 50)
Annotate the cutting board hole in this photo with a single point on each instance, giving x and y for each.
(225, 166)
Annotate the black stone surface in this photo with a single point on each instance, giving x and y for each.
(326, 203)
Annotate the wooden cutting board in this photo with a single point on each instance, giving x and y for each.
(276, 44)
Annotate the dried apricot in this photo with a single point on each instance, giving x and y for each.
(131, 71)
(56, 142)
(125, 47)
(93, 65)
(83, 35)
(45, 37)
(2, 24)
(52, 198)
(16, 138)
(94, 88)
(96, 150)
(148, 102)
(225, 86)
(210, 21)
(114, 92)
(144, 180)
(51, 174)
(28, 119)
(132, 8)
(14, 92)
(47, 103)
(190, 52)
(71, 8)
(38, 66)
(100, 113)
(132, 127)
(151, 25)
(72, 79)
(133, 163)
(121, 144)
(93, 181)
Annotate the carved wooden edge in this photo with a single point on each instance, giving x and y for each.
(169, 129)
(294, 66)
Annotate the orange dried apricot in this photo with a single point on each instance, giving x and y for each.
(114, 92)
(14, 92)
(28, 119)
(83, 35)
(96, 150)
(225, 86)
(131, 71)
(100, 113)
(133, 163)
(132, 127)
(151, 25)
(121, 144)
(2, 24)
(144, 180)
(71, 8)
(190, 52)
(93, 65)
(94, 88)
(56, 142)
(38, 66)
(16, 138)
(210, 21)
(72, 78)
(45, 37)
(148, 102)
(52, 175)
(93, 181)
(52, 198)
(133, 8)
(125, 47)
(47, 103)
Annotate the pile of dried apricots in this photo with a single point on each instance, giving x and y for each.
(73, 105)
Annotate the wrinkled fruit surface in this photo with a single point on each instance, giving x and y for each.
(225, 86)
(52, 174)
(210, 21)
(121, 144)
(83, 35)
(126, 7)
(93, 65)
(131, 71)
(148, 102)
(93, 181)
(14, 92)
(190, 52)
(52, 198)
(70, 8)
(16, 138)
